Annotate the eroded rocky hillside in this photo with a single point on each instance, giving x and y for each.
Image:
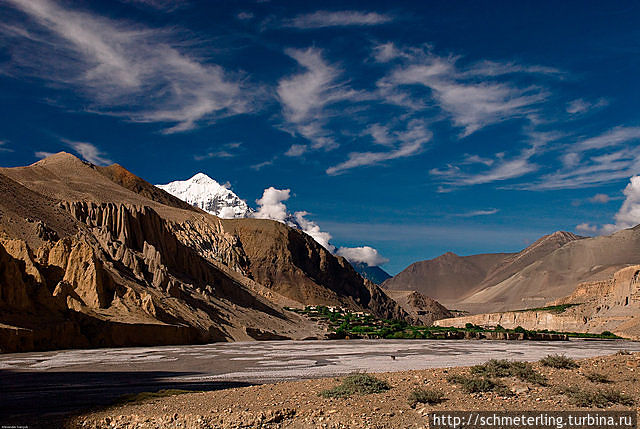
(95, 256)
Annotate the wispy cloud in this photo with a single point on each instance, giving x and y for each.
(410, 142)
(600, 198)
(4, 146)
(43, 154)
(228, 150)
(587, 228)
(245, 16)
(478, 213)
(580, 106)
(322, 19)
(613, 137)
(610, 156)
(470, 95)
(259, 166)
(305, 96)
(89, 152)
(161, 5)
(499, 169)
(139, 73)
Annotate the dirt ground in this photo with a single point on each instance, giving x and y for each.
(298, 405)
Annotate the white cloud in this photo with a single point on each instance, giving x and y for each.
(3, 147)
(500, 169)
(411, 142)
(89, 152)
(259, 166)
(613, 137)
(586, 227)
(42, 154)
(600, 198)
(305, 96)
(313, 229)
(579, 106)
(468, 95)
(322, 19)
(610, 156)
(227, 151)
(478, 213)
(629, 214)
(139, 73)
(161, 5)
(271, 205)
(364, 254)
(245, 16)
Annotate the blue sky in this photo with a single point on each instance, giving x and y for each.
(414, 127)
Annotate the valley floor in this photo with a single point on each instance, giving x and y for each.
(298, 405)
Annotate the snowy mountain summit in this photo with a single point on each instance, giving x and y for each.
(204, 192)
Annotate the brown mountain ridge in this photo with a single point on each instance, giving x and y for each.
(96, 257)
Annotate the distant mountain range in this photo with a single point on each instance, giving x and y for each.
(545, 271)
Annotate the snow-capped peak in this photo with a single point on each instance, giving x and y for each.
(204, 192)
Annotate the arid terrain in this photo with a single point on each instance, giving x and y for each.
(299, 405)
(97, 257)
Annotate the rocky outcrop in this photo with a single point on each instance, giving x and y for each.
(421, 309)
(612, 305)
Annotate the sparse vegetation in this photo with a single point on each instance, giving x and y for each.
(347, 324)
(597, 398)
(143, 396)
(559, 362)
(504, 368)
(596, 377)
(551, 308)
(476, 384)
(425, 396)
(360, 384)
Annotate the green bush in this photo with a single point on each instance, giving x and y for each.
(504, 368)
(520, 330)
(596, 377)
(425, 396)
(559, 361)
(479, 384)
(361, 384)
(598, 398)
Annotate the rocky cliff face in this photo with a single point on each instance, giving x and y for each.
(611, 305)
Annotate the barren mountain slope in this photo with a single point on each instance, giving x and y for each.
(557, 274)
(81, 272)
(607, 305)
(447, 278)
(422, 309)
(128, 180)
(88, 262)
(516, 262)
(293, 264)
